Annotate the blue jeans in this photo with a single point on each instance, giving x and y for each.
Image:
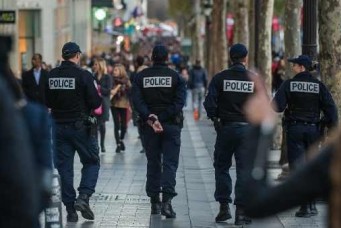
(161, 173)
(69, 139)
(229, 141)
(299, 138)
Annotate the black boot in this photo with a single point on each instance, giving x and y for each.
(224, 213)
(303, 212)
(123, 147)
(313, 209)
(82, 205)
(241, 218)
(118, 148)
(71, 214)
(102, 145)
(166, 208)
(155, 205)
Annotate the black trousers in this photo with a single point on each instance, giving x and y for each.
(120, 122)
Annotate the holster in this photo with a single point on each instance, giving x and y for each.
(179, 120)
(322, 128)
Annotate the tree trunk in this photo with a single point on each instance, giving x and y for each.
(264, 50)
(251, 34)
(241, 22)
(292, 43)
(199, 41)
(194, 50)
(330, 60)
(292, 32)
(218, 49)
(330, 47)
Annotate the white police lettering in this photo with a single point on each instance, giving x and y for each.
(157, 81)
(62, 83)
(304, 87)
(238, 86)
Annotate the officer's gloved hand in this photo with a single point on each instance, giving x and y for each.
(217, 124)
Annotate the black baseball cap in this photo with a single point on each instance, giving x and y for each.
(238, 51)
(302, 60)
(70, 48)
(160, 53)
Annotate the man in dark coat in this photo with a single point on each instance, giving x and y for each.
(33, 80)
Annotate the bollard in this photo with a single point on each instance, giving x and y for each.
(53, 214)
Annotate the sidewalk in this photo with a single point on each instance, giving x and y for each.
(120, 199)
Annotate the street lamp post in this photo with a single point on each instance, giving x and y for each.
(309, 44)
(256, 17)
(207, 8)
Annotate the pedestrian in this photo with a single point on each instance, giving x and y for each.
(20, 195)
(33, 80)
(318, 178)
(104, 82)
(302, 99)
(71, 94)
(139, 66)
(227, 94)
(198, 84)
(184, 74)
(159, 96)
(120, 104)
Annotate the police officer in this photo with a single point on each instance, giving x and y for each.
(159, 96)
(71, 94)
(227, 94)
(302, 99)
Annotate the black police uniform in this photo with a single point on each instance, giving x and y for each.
(227, 94)
(71, 94)
(161, 91)
(302, 99)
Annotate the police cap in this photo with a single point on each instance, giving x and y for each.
(70, 48)
(160, 53)
(302, 60)
(238, 51)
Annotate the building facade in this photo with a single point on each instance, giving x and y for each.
(44, 26)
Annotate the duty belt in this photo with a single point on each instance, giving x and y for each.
(301, 122)
(224, 122)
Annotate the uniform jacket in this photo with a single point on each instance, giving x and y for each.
(303, 97)
(159, 90)
(227, 94)
(71, 93)
(33, 91)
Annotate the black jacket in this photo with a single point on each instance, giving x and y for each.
(71, 93)
(227, 94)
(33, 91)
(159, 90)
(19, 197)
(106, 84)
(305, 104)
